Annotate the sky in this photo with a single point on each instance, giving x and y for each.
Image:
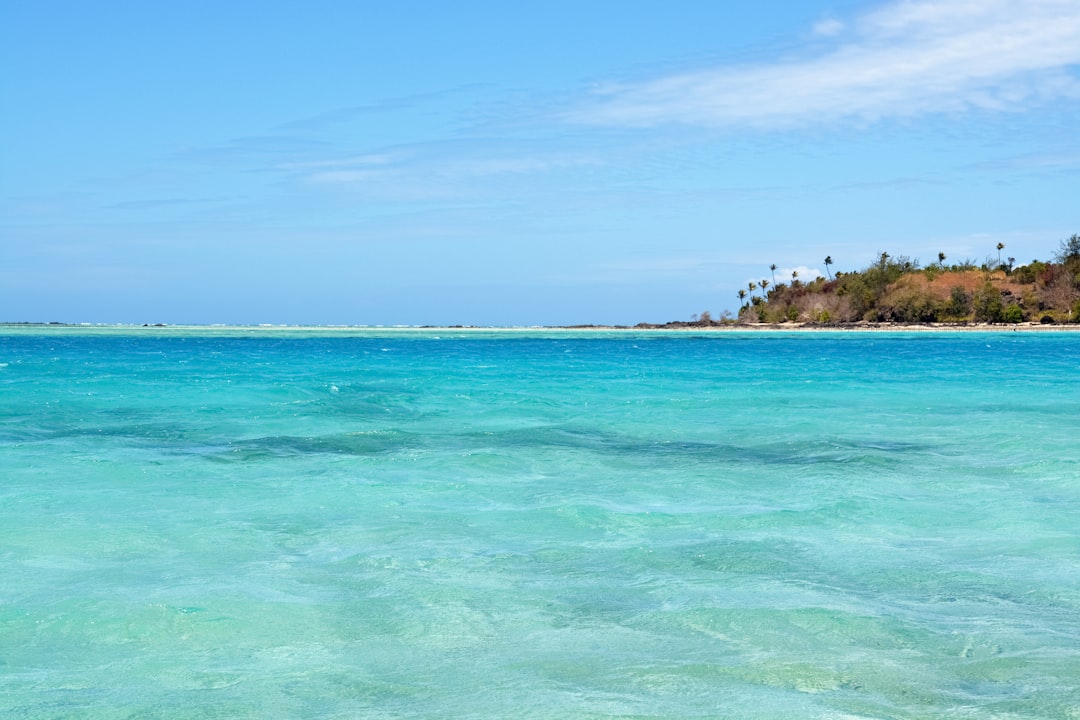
(534, 163)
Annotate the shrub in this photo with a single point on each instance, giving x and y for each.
(959, 303)
(910, 306)
(858, 293)
(1013, 313)
(823, 306)
(1028, 274)
(988, 305)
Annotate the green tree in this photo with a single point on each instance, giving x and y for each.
(828, 262)
(1029, 274)
(987, 304)
(1069, 250)
(959, 303)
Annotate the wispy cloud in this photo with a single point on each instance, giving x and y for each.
(157, 204)
(685, 269)
(904, 59)
(828, 27)
(352, 161)
(262, 152)
(442, 162)
(351, 114)
(1036, 162)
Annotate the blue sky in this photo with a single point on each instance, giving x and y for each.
(523, 163)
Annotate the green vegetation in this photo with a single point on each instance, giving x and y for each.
(898, 289)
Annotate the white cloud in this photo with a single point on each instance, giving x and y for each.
(439, 164)
(1056, 161)
(783, 275)
(346, 176)
(903, 59)
(806, 274)
(357, 161)
(519, 165)
(829, 27)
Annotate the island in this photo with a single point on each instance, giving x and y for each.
(899, 291)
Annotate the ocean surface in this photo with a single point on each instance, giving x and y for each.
(450, 524)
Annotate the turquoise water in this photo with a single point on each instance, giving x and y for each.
(546, 525)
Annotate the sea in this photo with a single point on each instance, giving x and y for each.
(453, 523)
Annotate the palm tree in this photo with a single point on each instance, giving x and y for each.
(773, 268)
(742, 298)
(941, 259)
(828, 262)
(764, 284)
(1000, 247)
(753, 286)
(794, 278)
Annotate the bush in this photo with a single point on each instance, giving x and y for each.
(959, 303)
(1028, 274)
(910, 306)
(1013, 313)
(988, 305)
(1076, 312)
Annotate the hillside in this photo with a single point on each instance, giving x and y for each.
(898, 289)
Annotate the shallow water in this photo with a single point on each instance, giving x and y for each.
(473, 525)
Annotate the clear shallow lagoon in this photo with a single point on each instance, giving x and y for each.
(367, 524)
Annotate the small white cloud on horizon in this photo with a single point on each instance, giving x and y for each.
(903, 59)
(783, 275)
(806, 274)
